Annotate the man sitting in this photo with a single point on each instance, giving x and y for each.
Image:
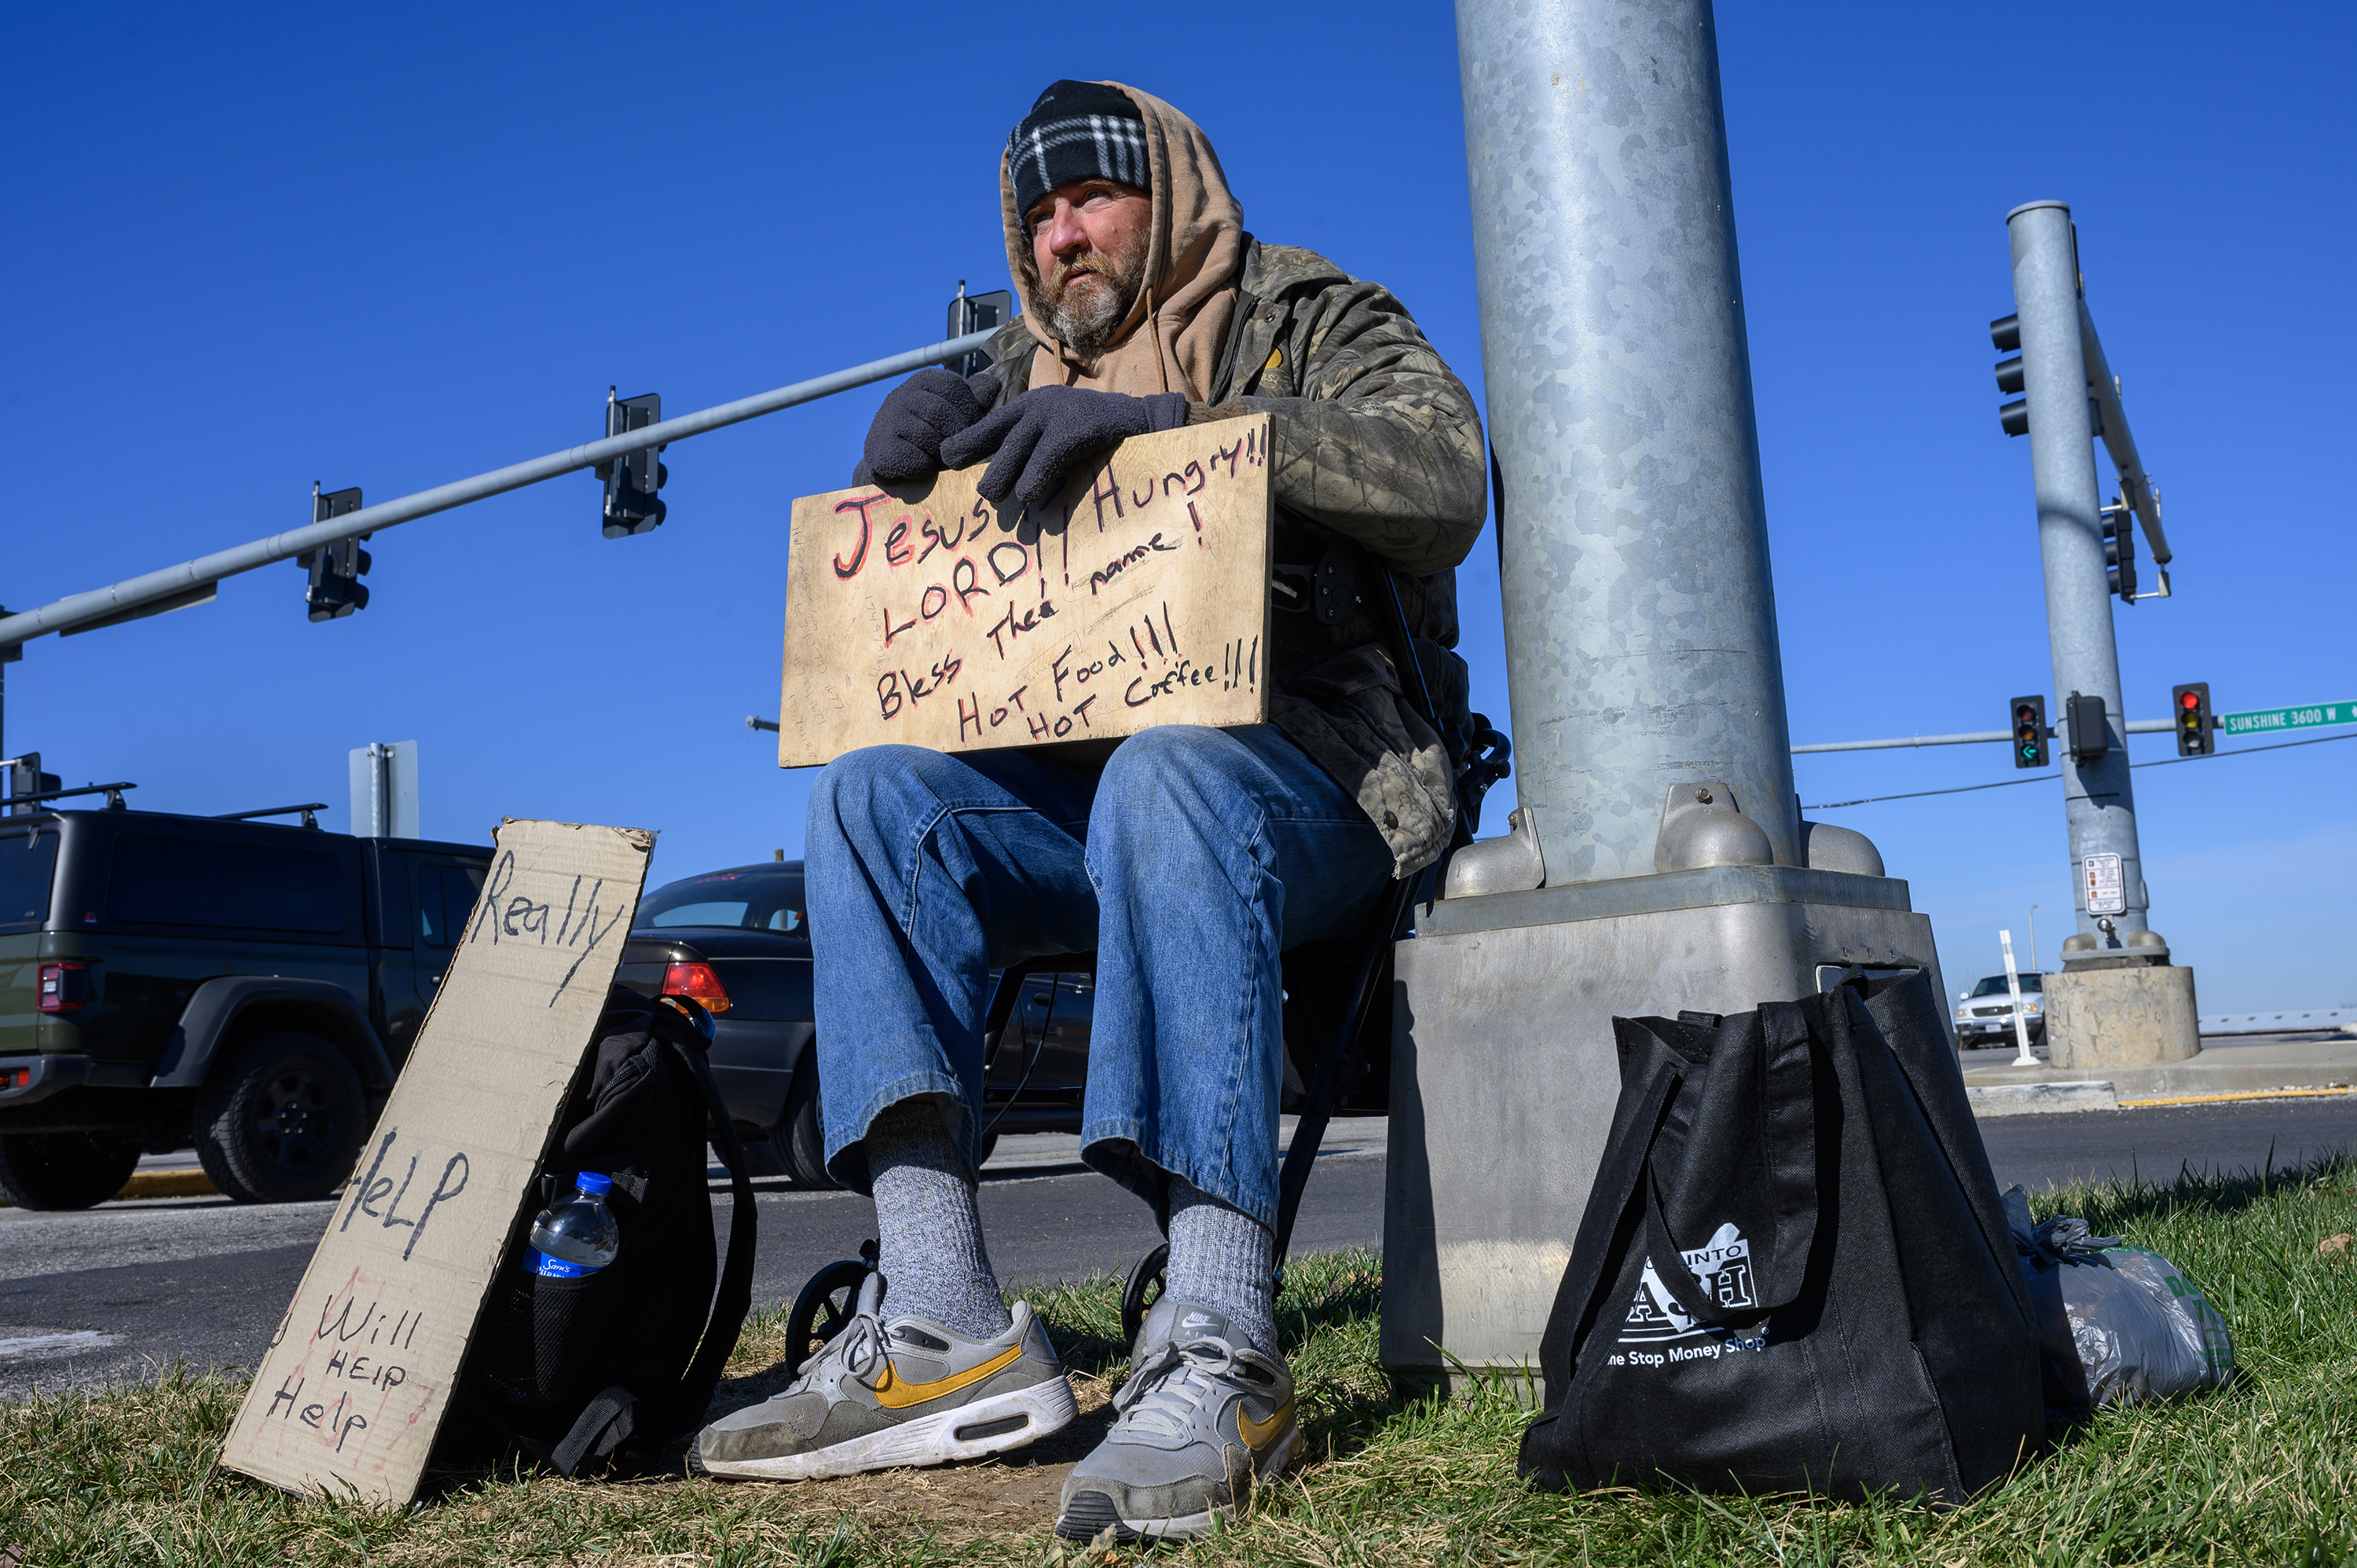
(1187, 860)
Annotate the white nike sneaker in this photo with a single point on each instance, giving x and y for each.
(1200, 1422)
(880, 1395)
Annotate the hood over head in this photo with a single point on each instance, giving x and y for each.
(1170, 340)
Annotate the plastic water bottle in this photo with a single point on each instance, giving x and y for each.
(577, 1236)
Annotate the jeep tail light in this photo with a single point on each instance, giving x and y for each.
(696, 982)
(64, 986)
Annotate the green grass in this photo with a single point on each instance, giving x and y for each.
(2263, 1473)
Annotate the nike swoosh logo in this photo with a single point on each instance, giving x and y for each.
(893, 1393)
(1256, 1434)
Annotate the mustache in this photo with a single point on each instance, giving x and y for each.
(1082, 267)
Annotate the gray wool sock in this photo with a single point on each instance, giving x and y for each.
(1221, 1257)
(928, 1230)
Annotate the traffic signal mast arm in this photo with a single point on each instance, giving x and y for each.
(2136, 485)
(2133, 727)
(77, 610)
(2109, 417)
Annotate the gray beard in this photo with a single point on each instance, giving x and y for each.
(1087, 326)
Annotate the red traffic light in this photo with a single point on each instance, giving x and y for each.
(2195, 727)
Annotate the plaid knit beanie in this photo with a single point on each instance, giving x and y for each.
(1077, 130)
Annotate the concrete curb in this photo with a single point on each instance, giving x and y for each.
(2036, 1099)
(2337, 1090)
(168, 1184)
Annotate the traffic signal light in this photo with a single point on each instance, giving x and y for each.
(2196, 731)
(975, 313)
(2119, 550)
(632, 480)
(335, 569)
(2006, 333)
(2030, 732)
(2091, 732)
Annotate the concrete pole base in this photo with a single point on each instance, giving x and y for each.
(2138, 1017)
(1505, 1076)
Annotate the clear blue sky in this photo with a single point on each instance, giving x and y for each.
(391, 246)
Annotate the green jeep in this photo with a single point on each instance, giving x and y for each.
(242, 987)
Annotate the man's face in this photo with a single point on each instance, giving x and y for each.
(1088, 242)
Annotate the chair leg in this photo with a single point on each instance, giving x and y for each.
(1318, 1108)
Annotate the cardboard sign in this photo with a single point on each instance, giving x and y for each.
(925, 614)
(353, 1388)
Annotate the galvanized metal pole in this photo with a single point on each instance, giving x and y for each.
(1640, 618)
(2099, 802)
(1642, 663)
(103, 605)
(1972, 737)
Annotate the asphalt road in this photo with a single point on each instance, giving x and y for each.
(119, 1292)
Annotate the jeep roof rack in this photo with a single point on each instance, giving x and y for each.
(114, 793)
(309, 820)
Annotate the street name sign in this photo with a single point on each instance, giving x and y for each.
(928, 616)
(2264, 719)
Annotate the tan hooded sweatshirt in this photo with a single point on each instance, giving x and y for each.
(1195, 252)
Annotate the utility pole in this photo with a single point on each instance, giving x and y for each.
(2099, 799)
(1656, 861)
(2117, 1000)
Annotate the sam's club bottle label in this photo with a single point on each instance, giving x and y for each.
(539, 1263)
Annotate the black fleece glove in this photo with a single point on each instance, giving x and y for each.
(1048, 432)
(905, 442)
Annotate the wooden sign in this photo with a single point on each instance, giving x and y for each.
(353, 1386)
(926, 615)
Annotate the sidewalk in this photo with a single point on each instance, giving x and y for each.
(2219, 1069)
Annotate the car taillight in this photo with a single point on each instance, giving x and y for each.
(696, 980)
(64, 986)
(16, 1077)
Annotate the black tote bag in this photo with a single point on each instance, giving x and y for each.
(1793, 1272)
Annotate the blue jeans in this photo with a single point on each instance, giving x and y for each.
(1188, 861)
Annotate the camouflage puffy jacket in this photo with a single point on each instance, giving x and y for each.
(1376, 441)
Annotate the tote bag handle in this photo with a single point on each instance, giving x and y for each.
(1652, 1074)
(1764, 1126)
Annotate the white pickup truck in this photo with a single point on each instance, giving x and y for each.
(1985, 1014)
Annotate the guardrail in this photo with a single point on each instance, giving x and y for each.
(2314, 1020)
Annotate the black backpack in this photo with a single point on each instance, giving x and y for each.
(610, 1369)
(1794, 1273)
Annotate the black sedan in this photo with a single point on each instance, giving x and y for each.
(739, 942)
